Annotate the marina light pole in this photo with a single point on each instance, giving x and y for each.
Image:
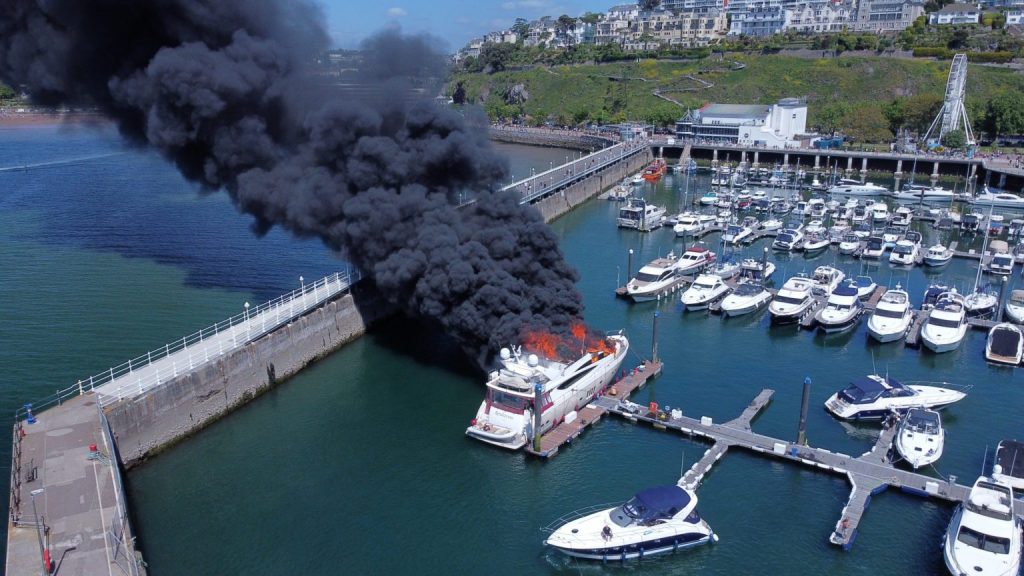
(302, 283)
(629, 266)
(246, 311)
(39, 532)
(801, 434)
(654, 339)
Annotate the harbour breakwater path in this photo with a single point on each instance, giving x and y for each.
(68, 507)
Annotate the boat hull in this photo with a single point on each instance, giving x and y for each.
(638, 550)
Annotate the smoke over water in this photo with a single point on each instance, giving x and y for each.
(222, 88)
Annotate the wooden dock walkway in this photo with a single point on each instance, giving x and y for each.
(872, 302)
(868, 474)
(566, 432)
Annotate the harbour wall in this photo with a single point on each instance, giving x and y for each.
(555, 138)
(145, 425)
(575, 194)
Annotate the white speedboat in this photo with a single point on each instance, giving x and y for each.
(902, 217)
(849, 187)
(891, 235)
(946, 325)
(792, 300)
(746, 298)
(756, 270)
(826, 279)
(815, 243)
(654, 279)
(709, 198)
(905, 253)
(841, 311)
(705, 289)
(998, 199)
(771, 224)
(1001, 264)
(873, 249)
(1015, 306)
(849, 244)
(879, 213)
(787, 240)
(838, 231)
(892, 316)
(865, 285)
(695, 260)
(692, 223)
(937, 255)
(874, 397)
(640, 215)
(984, 535)
(506, 417)
(637, 179)
(920, 437)
(736, 233)
(921, 192)
(1005, 344)
(655, 521)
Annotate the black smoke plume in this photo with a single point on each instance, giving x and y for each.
(224, 89)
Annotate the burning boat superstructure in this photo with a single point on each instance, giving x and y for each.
(507, 415)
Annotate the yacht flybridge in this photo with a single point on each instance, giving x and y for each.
(655, 521)
(984, 535)
(506, 417)
(873, 397)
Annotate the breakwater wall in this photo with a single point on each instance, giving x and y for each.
(575, 194)
(144, 425)
(554, 138)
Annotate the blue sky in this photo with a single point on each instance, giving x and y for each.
(454, 21)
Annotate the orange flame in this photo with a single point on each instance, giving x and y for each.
(567, 347)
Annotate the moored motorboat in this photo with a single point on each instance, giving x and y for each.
(849, 187)
(905, 253)
(892, 316)
(815, 243)
(757, 270)
(984, 534)
(874, 397)
(841, 310)
(920, 437)
(1010, 459)
(826, 279)
(1015, 306)
(865, 285)
(506, 417)
(695, 259)
(946, 325)
(655, 170)
(937, 255)
(654, 279)
(705, 289)
(748, 297)
(849, 244)
(640, 215)
(998, 199)
(873, 249)
(792, 300)
(655, 521)
(1005, 344)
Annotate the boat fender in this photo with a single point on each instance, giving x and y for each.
(613, 391)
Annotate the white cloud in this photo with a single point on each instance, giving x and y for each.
(397, 12)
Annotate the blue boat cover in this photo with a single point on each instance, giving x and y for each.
(657, 502)
(845, 290)
(870, 385)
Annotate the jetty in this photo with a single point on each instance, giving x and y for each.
(868, 474)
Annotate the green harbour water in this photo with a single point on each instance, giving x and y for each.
(359, 464)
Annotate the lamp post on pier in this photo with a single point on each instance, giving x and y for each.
(302, 283)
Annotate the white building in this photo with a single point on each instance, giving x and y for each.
(956, 14)
(885, 15)
(1014, 17)
(770, 126)
(816, 16)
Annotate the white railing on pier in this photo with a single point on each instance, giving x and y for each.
(144, 372)
(542, 184)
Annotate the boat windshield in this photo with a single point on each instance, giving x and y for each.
(790, 299)
(784, 238)
(856, 395)
(888, 313)
(648, 277)
(944, 322)
(706, 285)
(508, 402)
(904, 248)
(746, 289)
(983, 541)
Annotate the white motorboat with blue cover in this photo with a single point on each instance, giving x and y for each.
(864, 284)
(826, 279)
(874, 248)
(658, 520)
(506, 415)
(920, 437)
(841, 311)
(892, 316)
(984, 535)
(874, 396)
(1005, 344)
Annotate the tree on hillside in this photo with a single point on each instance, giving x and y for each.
(565, 23)
(1006, 114)
(590, 18)
(919, 111)
(495, 57)
(867, 123)
(649, 4)
(832, 117)
(521, 28)
(955, 139)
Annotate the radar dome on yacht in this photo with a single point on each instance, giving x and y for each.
(997, 469)
(533, 361)
(505, 353)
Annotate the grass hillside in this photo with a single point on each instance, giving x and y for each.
(856, 89)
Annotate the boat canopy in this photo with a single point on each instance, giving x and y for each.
(869, 389)
(657, 503)
(845, 290)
